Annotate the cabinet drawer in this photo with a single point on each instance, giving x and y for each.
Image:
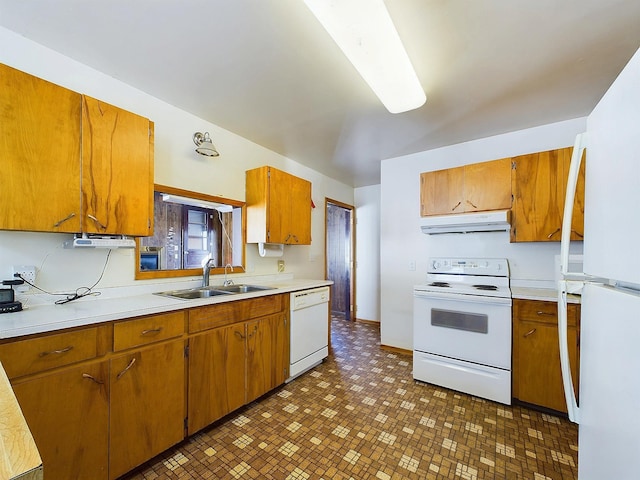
(33, 355)
(145, 330)
(227, 313)
(544, 312)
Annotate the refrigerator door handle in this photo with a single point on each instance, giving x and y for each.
(565, 364)
(572, 182)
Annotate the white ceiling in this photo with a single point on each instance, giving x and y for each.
(266, 70)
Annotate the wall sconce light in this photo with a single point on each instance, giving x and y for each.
(204, 144)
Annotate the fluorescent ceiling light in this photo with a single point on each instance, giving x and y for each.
(365, 33)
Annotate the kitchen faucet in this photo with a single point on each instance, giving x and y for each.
(205, 272)
(227, 282)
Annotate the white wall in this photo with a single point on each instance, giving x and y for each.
(402, 243)
(176, 164)
(367, 205)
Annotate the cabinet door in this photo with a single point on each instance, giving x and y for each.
(539, 363)
(300, 217)
(442, 192)
(267, 355)
(280, 206)
(216, 374)
(487, 186)
(117, 170)
(68, 415)
(577, 223)
(147, 405)
(538, 191)
(40, 151)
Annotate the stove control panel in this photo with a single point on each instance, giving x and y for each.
(470, 266)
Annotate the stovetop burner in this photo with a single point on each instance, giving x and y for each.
(485, 287)
(439, 284)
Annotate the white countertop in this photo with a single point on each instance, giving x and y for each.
(49, 317)
(542, 294)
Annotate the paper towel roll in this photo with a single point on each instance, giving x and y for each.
(270, 249)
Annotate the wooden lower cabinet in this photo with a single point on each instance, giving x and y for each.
(68, 415)
(233, 365)
(147, 405)
(216, 374)
(266, 350)
(537, 377)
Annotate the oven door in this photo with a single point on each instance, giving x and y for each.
(464, 327)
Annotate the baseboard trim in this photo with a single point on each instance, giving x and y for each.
(396, 350)
(368, 322)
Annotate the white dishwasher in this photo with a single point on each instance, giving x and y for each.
(309, 329)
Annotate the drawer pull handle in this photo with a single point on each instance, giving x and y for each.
(57, 352)
(545, 313)
(133, 360)
(92, 378)
(577, 233)
(471, 204)
(530, 332)
(238, 334)
(456, 206)
(97, 222)
(68, 217)
(553, 233)
(151, 331)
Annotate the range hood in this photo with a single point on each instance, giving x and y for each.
(496, 221)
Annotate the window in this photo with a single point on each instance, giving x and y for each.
(189, 229)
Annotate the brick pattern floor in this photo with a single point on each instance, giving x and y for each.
(360, 415)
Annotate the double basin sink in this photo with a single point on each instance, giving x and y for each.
(213, 291)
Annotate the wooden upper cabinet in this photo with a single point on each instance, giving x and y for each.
(539, 187)
(278, 207)
(472, 188)
(117, 170)
(72, 163)
(40, 151)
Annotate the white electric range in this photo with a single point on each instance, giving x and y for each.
(462, 327)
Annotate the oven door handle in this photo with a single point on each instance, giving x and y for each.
(463, 298)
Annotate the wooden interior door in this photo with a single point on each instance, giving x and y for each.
(340, 257)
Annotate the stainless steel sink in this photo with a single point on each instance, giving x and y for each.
(191, 293)
(212, 291)
(242, 288)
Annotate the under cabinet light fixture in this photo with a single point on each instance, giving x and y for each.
(193, 202)
(204, 144)
(366, 35)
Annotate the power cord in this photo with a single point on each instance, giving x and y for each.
(80, 291)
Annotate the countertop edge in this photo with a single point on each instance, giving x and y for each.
(540, 294)
(50, 318)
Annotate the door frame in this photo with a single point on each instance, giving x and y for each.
(352, 265)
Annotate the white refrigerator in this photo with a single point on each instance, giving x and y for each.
(608, 406)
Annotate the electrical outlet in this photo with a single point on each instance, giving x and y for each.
(280, 266)
(28, 272)
(412, 265)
